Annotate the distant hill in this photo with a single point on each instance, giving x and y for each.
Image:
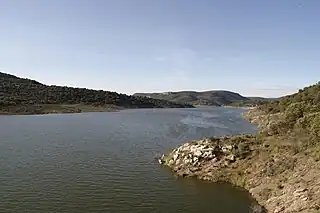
(263, 99)
(25, 96)
(211, 98)
(253, 101)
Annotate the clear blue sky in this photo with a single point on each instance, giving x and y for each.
(257, 48)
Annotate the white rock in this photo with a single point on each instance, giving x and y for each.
(231, 158)
(178, 161)
(206, 140)
(193, 148)
(229, 147)
(224, 149)
(208, 153)
(299, 191)
(187, 161)
(214, 160)
(202, 147)
(279, 209)
(210, 149)
(197, 153)
(171, 162)
(175, 156)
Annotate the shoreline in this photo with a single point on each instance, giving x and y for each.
(277, 175)
(243, 107)
(57, 113)
(45, 109)
(235, 107)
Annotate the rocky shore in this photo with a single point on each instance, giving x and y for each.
(278, 176)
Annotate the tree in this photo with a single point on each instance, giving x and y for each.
(316, 99)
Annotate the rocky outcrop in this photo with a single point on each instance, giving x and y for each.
(186, 159)
(211, 159)
(280, 177)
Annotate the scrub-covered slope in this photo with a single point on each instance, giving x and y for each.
(25, 96)
(279, 165)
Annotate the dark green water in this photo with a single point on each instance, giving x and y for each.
(105, 162)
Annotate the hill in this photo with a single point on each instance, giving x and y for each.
(252, 101)
(25, 96)
(299, 112)
(211, 98)
(279, 166)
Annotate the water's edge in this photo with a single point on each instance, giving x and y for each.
(270, 168)
(210, 159)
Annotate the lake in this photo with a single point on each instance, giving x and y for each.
(106, 162)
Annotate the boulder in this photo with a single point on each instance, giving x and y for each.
(171, 162)
(279, 209)
(197, 153)
(175, 156)
(231, 158)
(195, 159)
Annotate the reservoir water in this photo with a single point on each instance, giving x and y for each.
(105, 162)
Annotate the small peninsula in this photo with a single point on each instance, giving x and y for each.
(279, 166)
(25, 96)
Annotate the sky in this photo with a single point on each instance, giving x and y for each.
(257, 48)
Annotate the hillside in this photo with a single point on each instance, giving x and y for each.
(298, 113)
(211, 98)
(253, 101)
(279, 166)
(25, 96)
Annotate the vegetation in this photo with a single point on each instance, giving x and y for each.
(290, 151)
(251, 102)
(280, 164)
(211, 98)
(25, 96)
(297, 114)
(36, 109)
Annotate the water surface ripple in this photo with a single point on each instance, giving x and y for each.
(105, 162)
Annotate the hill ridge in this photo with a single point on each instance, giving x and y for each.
(26, 96)
(208, 97)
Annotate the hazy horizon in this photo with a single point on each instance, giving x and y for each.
(254, 48)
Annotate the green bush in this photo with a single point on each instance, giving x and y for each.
(295, 111)
(315, 129)
(306, 121)
(278, 127)
(243, 150)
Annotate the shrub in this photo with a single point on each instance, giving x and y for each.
(315, 129)
(295, 111)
